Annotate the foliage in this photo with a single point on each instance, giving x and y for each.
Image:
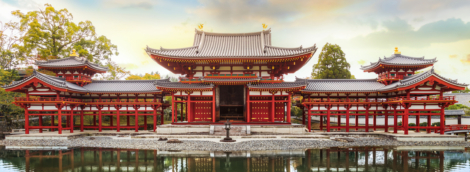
(115, 72)
(436, 124)
(7, 108)
(147, 76)
(352, 77)
(331, 64)
(423, 124)
(457, 107)
(462, 91)
(400, 123)
(172, 79)
(51, 34)
(411, 124)
(11, 49)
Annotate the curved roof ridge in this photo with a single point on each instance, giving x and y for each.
(75, 61)
(170, 49)
(400, 60)
(375, 80)
(55, 60)
(292, 48)
(232, 34)
(117, 81)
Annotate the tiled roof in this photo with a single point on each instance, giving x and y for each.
(70, 62)
(342, 85)
(297, 83)
(122, 86)
(51, 80)
(454, 112)
(230, 79)
(400, 60)
(240, 45)
(165, 83)
(413, 79)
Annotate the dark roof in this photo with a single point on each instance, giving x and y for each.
(400, 60)
(122, 86)
(230, 79)
(342, 85)
(237, 45)
(70, 62)
(51, 80)
(297, 83)
(454, 112)
(413, 79)
(166, 83)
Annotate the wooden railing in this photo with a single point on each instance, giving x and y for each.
(71, 78)
(381, 100)
(390, 77)
(89, 101)
(456, 127)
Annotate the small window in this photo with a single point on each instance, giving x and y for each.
(60, 76)
(392, 74)
(75, 77)
(410, 74)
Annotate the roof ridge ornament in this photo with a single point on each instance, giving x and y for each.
(74, 53)
(396, 51)
(264, 26)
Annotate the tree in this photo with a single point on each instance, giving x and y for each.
(147, 76)
(11, 49)
(115, 72)
(331, 64)
(7, 108)
(51, 34)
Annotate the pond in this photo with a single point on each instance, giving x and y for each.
(332, 159)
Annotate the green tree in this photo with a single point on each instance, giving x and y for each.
(331, 64)
(462, 91)
(115, 72)
(52, 34)
(7, 108)
(147, 76)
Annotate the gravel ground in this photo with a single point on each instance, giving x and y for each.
(107, 142)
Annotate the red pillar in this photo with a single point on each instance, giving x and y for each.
(357, 120)
(347, 116)
(59, 118)
(94, 119)
(99, 119)
(155, 118)
(145, 122)
(118, 118)
(26, 120)
(386, 119)
(417, 121)
(289, 103)
(189, 106)
(71, 118)
(128, 120)
(321, 120)
(213, 105)
(272, 107)
(328, 118)
(173, 107)
(303, 115)
(429, 123)
(443, 120)
(405, 120)
(136, 119)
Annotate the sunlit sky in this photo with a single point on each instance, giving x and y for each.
(365, 29)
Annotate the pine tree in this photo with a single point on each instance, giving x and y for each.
(331, 64)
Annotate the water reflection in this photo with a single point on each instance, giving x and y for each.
(333, 159)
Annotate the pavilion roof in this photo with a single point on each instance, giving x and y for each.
(295, 84)
(166, 83)
(70, 62)
(400, 60)
(230, 79)
(122, 86)
(231, 45)
(454, 112)
(341, 85)
(413, 79)
(51, 80)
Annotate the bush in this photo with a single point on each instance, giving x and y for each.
(423, 124)
(400, 123)
(436, 124)
(411, 124)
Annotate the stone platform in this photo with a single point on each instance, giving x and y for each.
(400, 136)
(236, 130)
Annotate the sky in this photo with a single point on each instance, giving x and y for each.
(365, 29)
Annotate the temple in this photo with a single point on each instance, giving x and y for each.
(237, 77)
(231, 76)
(398, 92)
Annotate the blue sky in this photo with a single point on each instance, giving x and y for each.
(365, 29)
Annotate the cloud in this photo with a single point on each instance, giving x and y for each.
(143, 4)
(467, 60)
(453, 56)
(399, 32)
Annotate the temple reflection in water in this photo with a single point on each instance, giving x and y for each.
(333, 159)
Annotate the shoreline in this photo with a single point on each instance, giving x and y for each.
(212, 145)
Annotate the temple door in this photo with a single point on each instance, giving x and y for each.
(202, 111)
(279, 111)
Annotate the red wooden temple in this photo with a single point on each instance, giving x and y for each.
(397, 92)
(237, 77)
